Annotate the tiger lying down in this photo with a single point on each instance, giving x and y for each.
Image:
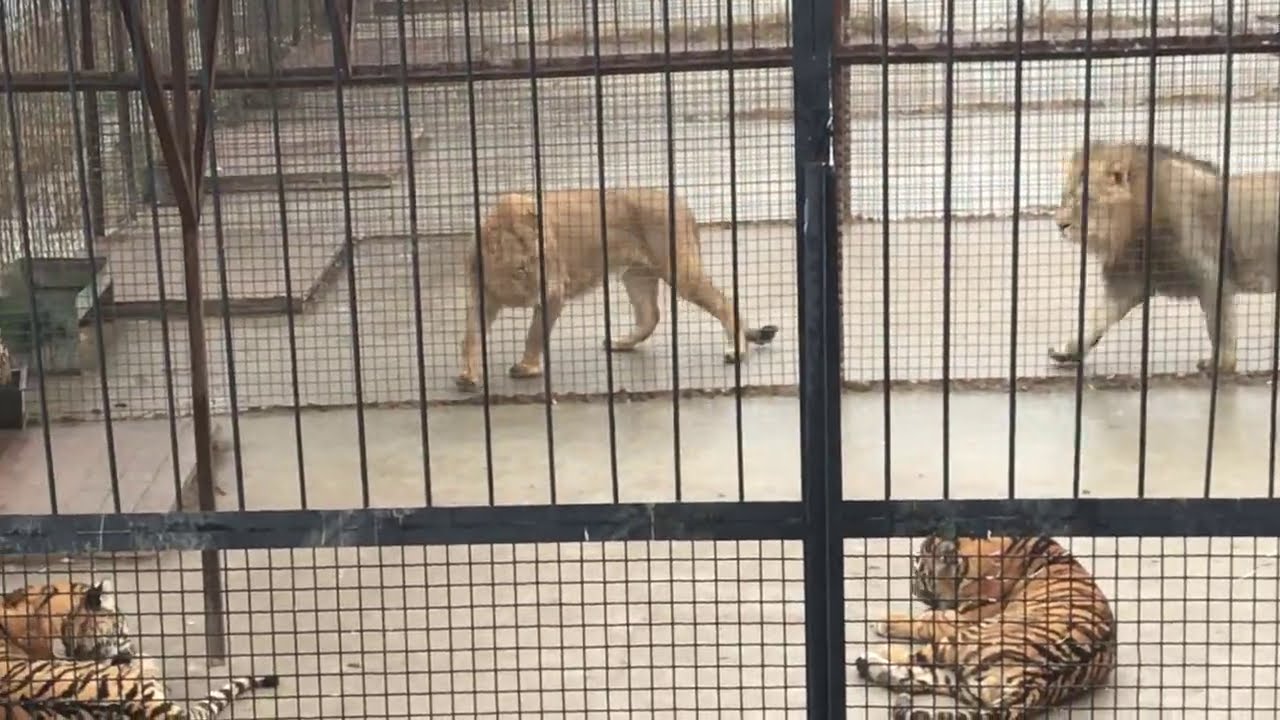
(66, 654)
(1015, 626)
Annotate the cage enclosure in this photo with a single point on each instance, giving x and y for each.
(60, 298)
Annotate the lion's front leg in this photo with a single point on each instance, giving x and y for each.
(530, 364)
(1122, 296)
(472, 363)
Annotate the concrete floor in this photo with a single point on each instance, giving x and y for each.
(673, 630)
(659, 629)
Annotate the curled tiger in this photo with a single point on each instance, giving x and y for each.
(1015, 626)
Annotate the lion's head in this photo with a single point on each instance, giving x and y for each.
(1115, 199)
(509, 237)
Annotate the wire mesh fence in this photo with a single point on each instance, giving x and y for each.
(457, 468)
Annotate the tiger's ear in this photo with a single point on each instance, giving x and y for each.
(101, 596)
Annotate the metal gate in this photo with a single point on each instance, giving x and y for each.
(280, 198)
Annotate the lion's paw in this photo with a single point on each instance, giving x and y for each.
(1226, 364)
(1066, 353)
(616, 345)
(466, 382)
(521, 371)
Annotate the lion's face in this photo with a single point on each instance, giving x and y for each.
(1109, 207)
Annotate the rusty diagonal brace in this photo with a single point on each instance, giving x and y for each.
(174, 157)
(185, 158)
(208, 48)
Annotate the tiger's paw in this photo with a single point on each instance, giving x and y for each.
(907, 706)
(877, 668)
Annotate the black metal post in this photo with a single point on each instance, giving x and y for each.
(92, 124)
(820, 349)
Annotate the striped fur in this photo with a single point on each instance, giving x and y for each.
(65, 619)
(86, 690)
(65, 652)
(1015, 626)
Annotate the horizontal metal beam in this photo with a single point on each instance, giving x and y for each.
(407, 526)
(1156, 517)
(1085, 517)
(689, 61)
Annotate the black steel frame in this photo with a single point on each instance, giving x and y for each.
(822, 519)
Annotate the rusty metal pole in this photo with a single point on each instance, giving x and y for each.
(210, 560)
(92, 124)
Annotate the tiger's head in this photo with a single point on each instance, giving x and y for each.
(67, 619)
(955, 574)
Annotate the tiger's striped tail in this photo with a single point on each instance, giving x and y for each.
(217, 701)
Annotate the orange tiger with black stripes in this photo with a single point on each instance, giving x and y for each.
(1016, 625)
(66, 653)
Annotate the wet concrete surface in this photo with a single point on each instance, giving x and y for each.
(697, 628)
(655, 629)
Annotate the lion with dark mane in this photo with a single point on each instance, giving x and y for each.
(1185, 225)
(637, 227)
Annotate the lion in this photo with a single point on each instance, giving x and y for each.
(1186, 221)
(639, 246)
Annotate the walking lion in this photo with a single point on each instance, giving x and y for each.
(639, 245)
(1186, 222)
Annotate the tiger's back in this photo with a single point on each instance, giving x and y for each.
(1016, 625)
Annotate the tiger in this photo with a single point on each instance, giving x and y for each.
(74, 620)
(73, 690)
(94, 675)
(1016, 625)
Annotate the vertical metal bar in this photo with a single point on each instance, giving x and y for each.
(1084, 245)
(674, 279)
(820, 347)
(841, 122)
(546, 312)
(205, 142)
(353, 306)
(165, 333)
(89, 232)
(1145, 367)
(604, 248)
(730, 79)
(24, 230)
(124, 117)
(886, 260)
(948, 136)
(473, 137)
(1223, 239)
(287, 259)
(415, 253)
(92, 123)
(1014, 253)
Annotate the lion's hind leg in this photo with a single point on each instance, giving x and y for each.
(642, 289)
